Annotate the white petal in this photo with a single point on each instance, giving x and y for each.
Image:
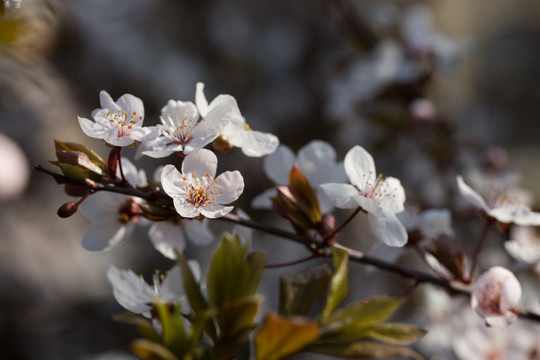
(256, 143)
(262, 201)
(166, 236)
(471, 196)
(131, 104)
(103, 236)
(231, 183)
(436, 222)
(200, 162)
(213, 211)
(134, 176)
(395, 195)
(106, 102)
(172, 286)
(343, 196)
(92, 129)
(224, 110)
(317, 161)
(132, 292)
(146, 133)
(198, 232)
(103, 206)
(517, 214)
(200, 99)
(278, 165)
(185, 209)
(157, 148)
(360, 167)
(171, 180)
(388, 228)
(203, 134)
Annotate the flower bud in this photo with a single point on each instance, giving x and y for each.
(67, 209)
(222, 145)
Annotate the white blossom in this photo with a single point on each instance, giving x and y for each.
(196, 191)
(119, 123)
(498, 203)
(166, 236)
(380, 197)
(495, 296)
(524, 245)
(235, 129)
(136, 295)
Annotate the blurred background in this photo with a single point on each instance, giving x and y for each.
(431, 88)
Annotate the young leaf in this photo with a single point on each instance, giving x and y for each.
(352, 321)
(305, 195)
(193, 292)
(363, 350)
(338, 287)
(144, 325)
(280, 336)
(91, 154)
(395, 333)
(297, 293)
(256, 262)
(149, 350)
(173, 333)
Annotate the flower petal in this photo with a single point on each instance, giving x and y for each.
(471, 196)
(166, 236)
(278, 165)
(200, 162)
(388, 228)
(92, 129)
(255, 143)
(394, 198)
(230, 186)
(171, 181)
(214, 211)
(107, 102)
(198, 232)
(343, 196)
(360, 167)
(131, 291)
(103, 236)
(184, 208)
(200, 99)
(133, 106)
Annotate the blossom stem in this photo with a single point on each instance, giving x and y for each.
(346, 222)
(478, 249)
(290, 263)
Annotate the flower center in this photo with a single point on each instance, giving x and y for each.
(376, 190)
(490, 298)
(496, 197)
(123, 121)
(180, 130)
(129, 212)
(201, 190)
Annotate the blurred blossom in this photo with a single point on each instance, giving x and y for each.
(497, 157)
(498, 203)
(421, 37)
(524, 245)
(14, 169)
(316, 160)
(423, 110)
(136, 295)
(12, 5)
(431, 223)
(495, 296)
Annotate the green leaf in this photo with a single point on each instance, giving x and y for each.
(298, 292)
(239, 315)
(201, 322)
(233, 274)
(145, 326)
(395, 333)
(92, 155)
(149, 350)
(237, 325)
(338, 288)
(172, 333)
(280, 336)
(75, 173)
(352, 321)
(80, 159)
(363, 350)
(256, 262)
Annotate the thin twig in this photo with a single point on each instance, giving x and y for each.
(290, 263)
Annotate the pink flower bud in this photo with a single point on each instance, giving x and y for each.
(496, 295)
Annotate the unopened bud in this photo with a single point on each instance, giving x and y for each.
(67, 209)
